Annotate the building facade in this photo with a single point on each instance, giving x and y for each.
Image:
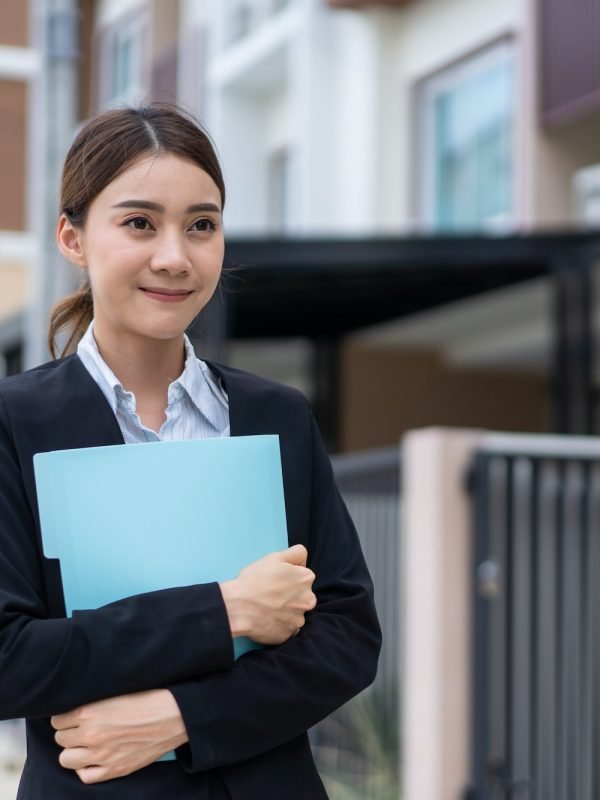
(343, 119)
(19, 64)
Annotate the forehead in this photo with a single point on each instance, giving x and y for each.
(163, 178)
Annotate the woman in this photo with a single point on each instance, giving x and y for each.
(107, 692)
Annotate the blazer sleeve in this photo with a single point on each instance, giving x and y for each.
(270, 696)
(50, 666)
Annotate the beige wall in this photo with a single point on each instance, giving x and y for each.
(559, 153)
(86, 49)
(13, 289)
(14, 23)
(13, 142)
(13, 107)
(387, 391)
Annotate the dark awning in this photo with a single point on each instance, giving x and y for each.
(328, 287)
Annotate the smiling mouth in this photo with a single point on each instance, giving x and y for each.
(166, 295)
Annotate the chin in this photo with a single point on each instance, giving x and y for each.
(163, 333)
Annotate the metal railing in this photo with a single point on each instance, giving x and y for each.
(357, 748)
(536, 681)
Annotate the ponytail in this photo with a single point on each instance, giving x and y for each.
(74, 313)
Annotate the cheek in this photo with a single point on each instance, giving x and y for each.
(216, 262)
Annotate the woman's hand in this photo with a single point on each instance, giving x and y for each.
(120, 735)
(268, 599)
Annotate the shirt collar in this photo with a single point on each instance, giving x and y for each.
(195, 379)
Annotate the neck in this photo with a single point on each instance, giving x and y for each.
(144, 366)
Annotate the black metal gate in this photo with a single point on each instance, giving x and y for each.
(536, 667)
(357, 747)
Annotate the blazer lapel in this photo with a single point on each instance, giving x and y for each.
(240, 411)
(83, 417)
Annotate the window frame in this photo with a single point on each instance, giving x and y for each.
(452, 75)
(134, 25)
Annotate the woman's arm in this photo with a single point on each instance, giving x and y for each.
(119, 735)
(49, 666)
(270, 696)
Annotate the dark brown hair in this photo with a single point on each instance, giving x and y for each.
(103, 149)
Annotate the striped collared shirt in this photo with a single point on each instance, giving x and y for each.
(197, 405)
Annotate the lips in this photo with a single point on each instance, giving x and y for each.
(164, 295)
(169, 292)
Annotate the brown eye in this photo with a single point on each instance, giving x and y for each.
(138, 224)
(204, 225)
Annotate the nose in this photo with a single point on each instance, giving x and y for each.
(170, 254)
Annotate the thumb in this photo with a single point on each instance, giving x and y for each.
(294, 555)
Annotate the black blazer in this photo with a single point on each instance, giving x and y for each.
(246, 719)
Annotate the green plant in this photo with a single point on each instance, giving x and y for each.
(356, 749)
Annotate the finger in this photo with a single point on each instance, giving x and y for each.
(74, 757)
(62, 721)
(71, 737)
(308, 576)
(93, 774)
(297, 554)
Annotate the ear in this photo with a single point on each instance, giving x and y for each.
(69, 240)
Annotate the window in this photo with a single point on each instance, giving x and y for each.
(123, 67)
(242, 17)
(467, 116)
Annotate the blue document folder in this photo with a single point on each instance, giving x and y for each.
(128, 519)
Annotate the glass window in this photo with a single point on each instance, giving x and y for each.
(467, 120)
(123, 67)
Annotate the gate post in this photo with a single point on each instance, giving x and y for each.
(436, 692)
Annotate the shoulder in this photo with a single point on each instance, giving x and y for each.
(31, 386)
(256, 388)
(39, 396)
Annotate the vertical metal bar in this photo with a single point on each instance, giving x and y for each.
(594, 587)
(585, 752)
(572, 541)
(560, 769)
(546, 632)
(498, 522)
(572, 384)
(560, 360)
(481, 627)
(534, 665)
(326, 389)
(520, 619)
(510, 633)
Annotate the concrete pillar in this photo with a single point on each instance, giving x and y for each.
(437, 614)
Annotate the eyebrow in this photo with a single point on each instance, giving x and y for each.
(161, 209)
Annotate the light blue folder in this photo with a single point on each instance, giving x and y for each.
(128, 519)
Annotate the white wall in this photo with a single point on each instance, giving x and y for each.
(354, 116)
(416, 42)
(342, 95)
(109, 11)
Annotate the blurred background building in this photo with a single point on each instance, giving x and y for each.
(413, 197)
(398, 121)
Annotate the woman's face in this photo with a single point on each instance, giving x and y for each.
(153, 247)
